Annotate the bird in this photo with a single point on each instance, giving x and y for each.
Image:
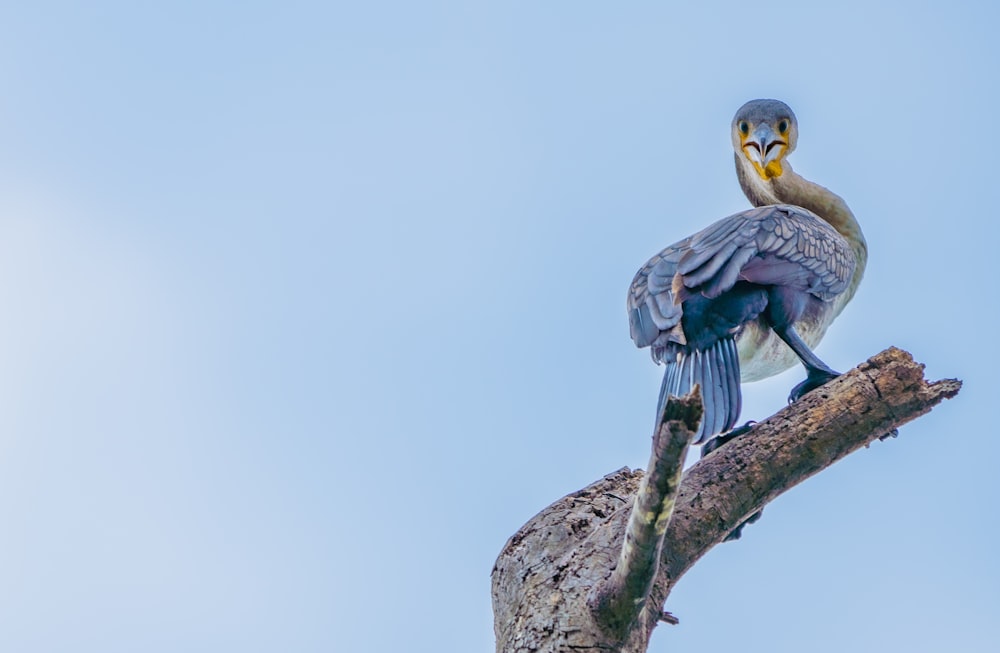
(753, 293)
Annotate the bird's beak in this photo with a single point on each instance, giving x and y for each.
(764, 149)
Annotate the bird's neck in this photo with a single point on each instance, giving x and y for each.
(791, 188)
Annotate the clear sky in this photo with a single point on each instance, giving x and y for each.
(307, 307)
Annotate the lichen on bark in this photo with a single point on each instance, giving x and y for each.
(549, 578)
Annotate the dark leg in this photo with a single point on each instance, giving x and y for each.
(723, 438)
(714, 444)
(817, 372)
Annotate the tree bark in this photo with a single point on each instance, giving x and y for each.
(619, 600)
(573, 579)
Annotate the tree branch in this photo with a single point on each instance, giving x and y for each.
(544, 579)
(618, 601)
(848, 413)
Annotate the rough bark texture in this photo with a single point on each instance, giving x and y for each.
(549, 576)
(619, 600)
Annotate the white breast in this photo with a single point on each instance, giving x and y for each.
(764, 354)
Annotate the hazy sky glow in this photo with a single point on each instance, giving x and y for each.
(308, 307)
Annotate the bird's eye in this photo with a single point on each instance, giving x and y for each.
(783, 126)
(744, 127)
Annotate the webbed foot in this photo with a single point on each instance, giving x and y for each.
(737, 532)
(815, 379)
(891, 434)
(723, 438)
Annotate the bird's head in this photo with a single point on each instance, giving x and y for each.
(764, 133)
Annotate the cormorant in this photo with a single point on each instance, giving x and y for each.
(748, 296)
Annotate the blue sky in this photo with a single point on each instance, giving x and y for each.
(307, 308)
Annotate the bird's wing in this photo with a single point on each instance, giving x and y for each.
(653, 314)
(780, 245)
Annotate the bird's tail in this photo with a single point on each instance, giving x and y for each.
(717, 371)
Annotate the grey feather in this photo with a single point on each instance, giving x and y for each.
(714, 259)
(716, 371)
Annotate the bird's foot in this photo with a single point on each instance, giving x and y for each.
(714, 444)
(723, 438)
(815, 379)
(669, 618)
(737, 532)
(891, 434)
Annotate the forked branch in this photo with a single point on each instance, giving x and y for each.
(617, 601)
(557, 584)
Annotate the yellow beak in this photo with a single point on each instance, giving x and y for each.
(765, 149)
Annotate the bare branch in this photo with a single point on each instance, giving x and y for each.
(848, 413)
(544, 579)
(617, 601)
